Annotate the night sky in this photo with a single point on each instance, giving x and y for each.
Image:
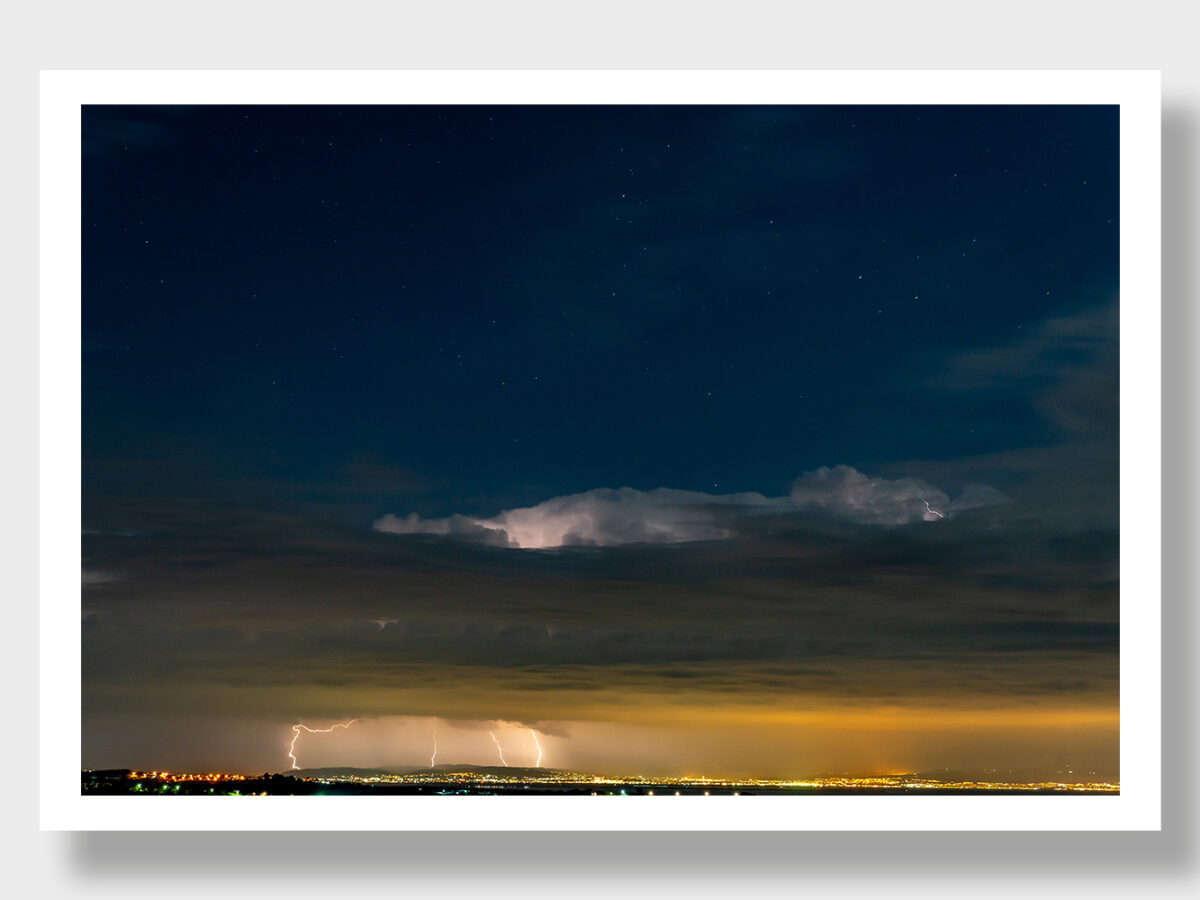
(746, 440)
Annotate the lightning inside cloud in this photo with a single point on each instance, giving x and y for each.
(606, 517)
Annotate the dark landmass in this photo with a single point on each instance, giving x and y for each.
(522, 781)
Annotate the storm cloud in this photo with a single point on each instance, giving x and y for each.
(800, 610)
(606, 517)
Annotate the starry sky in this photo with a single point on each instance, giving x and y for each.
(764, 440)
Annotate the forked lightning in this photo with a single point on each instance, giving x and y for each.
(296, 733)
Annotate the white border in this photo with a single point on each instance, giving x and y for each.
(1137, 808)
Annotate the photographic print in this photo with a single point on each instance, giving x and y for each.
(586, 450)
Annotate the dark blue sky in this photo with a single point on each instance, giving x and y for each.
(503, 304)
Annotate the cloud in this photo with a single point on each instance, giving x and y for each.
(92, 577)
(605, 517)
(1068, 366)
(1050, 398)
(975, 496)
(876, 501)
(1051, 348)
(602, 517)
(797, 614)
(455, 526)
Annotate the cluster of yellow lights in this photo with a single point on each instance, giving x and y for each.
(553, 777)
(882, 782)
(186, 776)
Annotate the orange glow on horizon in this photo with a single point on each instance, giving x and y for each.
(884, 718)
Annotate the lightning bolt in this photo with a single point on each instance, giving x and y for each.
(533, 734)
(930, 509)
(296, 734)
(433, 759)
(499, 749)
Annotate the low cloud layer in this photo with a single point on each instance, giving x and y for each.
(606, 517)
(273, 619)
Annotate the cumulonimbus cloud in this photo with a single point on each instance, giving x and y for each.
(609, 517)
(602, 517)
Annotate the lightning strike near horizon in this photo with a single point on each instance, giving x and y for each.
(537, 744)
(433, 759)
(296, 734)
(499, 749)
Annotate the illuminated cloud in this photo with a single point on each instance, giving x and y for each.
(603, 517)
(876, 501)
(606, 517)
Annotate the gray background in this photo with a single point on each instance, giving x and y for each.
(919, 34)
